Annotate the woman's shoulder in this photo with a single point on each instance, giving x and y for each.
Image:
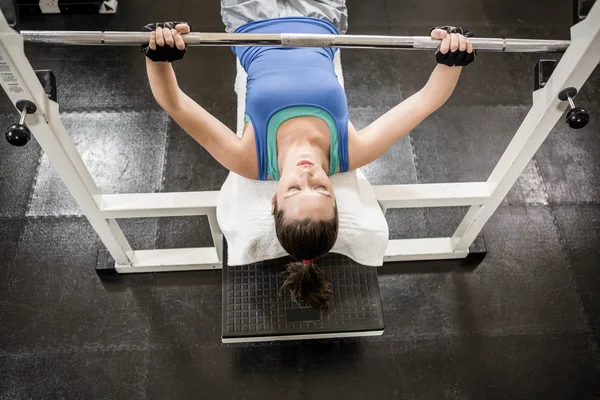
(354, 145)
(250, 164)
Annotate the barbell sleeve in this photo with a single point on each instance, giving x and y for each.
(294, 40)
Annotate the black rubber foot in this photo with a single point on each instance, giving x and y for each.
(477, 252)
(543, 72)
(48, 81)
(10, 9)
(581, 9)
(105, 264)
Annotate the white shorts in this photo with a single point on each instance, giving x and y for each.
(236, 13)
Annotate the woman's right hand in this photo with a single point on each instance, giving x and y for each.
(455, 48)
(166, 42)
(169, 36)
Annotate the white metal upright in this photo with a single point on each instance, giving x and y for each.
(575, 67)
(20, 82)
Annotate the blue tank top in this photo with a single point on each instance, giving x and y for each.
(280, 78)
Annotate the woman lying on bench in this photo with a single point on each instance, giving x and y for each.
(297, 130)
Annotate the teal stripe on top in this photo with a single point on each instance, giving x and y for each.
(293, 112)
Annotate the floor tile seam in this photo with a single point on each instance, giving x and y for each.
(35, 181)
(519, 333)
(156, 243)
(127, 110)
(568, 254)
(85, 348)
(55, 217)
(365, 108)
(12, 267)
(151, 305)
(395, 57)
(392, 344)
(591, 203)
(418, 177)
(409, 338)
(11, 271)
(163, 177)
(537, 204)
(144, 380)
(301, 371)
(388, 20)
(8, 218)
(542, 180)
(522, 204)
(596, 344)
(452, 354)
(120, 109)
(91, 347)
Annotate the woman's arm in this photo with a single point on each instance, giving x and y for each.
(208, 131)
(163, 83)
(371, 142)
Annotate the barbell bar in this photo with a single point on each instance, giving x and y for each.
(294, 40)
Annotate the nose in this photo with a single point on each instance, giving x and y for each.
(305, 175)
(306, 171)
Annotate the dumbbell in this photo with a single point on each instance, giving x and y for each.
(19, 134)
(577, 117)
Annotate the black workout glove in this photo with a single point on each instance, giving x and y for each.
(163, 53)
(455, 58)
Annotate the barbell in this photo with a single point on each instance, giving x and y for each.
(294, 40)
(18, 134)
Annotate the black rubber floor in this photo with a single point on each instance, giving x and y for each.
(524, 325)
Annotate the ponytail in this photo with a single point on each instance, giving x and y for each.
(307, 284)
(305, 240)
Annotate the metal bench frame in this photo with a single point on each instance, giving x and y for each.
(19, 81)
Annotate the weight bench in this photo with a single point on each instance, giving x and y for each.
(357, 307)
(255, 309)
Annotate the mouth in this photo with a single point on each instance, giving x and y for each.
(304, 162)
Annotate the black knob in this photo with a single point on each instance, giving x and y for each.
(577, 118)
(18, 135)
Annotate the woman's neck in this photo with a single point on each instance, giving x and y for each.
(303, 138)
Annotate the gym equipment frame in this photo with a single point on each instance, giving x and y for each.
(18, 79)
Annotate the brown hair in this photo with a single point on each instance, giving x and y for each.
(305, 240)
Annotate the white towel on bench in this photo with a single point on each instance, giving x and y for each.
(244, 209)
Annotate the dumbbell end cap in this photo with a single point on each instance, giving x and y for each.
(18, 135)
(578, 118)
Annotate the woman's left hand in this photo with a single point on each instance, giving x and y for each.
(455, 49)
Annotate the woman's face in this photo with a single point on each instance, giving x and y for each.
(304, 191)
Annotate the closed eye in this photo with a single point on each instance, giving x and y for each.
(316, 187)
(298, 190)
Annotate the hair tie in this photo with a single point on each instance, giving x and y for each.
(308, 262)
